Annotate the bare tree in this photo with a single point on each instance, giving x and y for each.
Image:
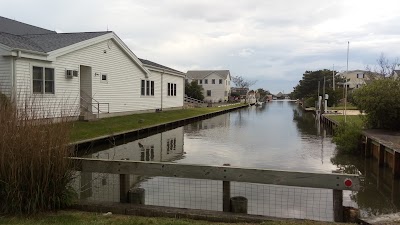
(241, 82)
(384, 67)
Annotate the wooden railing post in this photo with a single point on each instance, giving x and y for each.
(338, 205)
(226, 194)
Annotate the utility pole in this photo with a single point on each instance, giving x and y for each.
(333, 77)
(347, 71)
(324, 96)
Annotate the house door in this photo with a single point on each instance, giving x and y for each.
(86, 88)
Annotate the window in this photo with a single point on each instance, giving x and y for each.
(42, 80)
(152, 88)
(208, 92)
(143, 86)
(104, 77)
(171, 89)
(205, 81)
(200, 81)
(147, 88)
(147, 153)
(213, 81)
(220, 81)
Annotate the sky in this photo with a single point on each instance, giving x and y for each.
(271, 41)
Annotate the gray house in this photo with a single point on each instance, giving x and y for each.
(216, 83)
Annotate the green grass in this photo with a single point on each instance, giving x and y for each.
(107, 126)
(358, 119)
(349, 106)
(85, 218)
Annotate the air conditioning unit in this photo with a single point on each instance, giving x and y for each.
(69, 74)
(75, 73)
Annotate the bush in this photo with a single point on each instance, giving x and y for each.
(381, 101)
(310, 102)
(347, 137)
(35, 174)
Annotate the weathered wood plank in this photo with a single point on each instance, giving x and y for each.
(262, 176)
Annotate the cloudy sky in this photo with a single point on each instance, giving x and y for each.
(271, 41)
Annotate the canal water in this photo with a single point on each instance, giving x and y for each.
(278, 135)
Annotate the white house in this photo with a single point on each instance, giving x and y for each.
(355, 78)
(216, 83)
(88, 73)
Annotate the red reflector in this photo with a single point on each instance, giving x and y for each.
(348, 183)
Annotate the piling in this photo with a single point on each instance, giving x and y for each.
(239, 204)
(226, 194)
(136, 196)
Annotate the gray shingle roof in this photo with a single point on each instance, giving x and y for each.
(201, 74)
(150, 63)
(46, 42)
(17, 28)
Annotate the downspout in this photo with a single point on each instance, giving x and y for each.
(162, 87)
(14, 78)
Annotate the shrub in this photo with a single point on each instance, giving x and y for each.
(310, 102)
(34, 172)
(347, 137)
(381, 101)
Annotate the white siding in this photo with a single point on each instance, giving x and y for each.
(121, 91)
(5, 75)
(217, 90)
(172, 101)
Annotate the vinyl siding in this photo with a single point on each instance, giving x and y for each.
(217, 90)
(121, 91)
(173, 101)
(5, 75)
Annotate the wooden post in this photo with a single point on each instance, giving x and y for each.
(239, 204)
(226, 194)
(396, 164)
(123, 187)
(367, 147)
(136, 196)
(338, 205)
(381, 155)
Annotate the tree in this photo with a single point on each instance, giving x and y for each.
(381, 101)
(263, 93)
(384, 67)
(241, 82)
(308, 86)
(194, 90)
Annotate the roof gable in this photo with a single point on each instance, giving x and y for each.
(153, 64)
(18, 28)
(201, 74)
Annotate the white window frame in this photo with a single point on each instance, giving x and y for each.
(101, 78)
(171, 89)
(148, 88)
(43, 92)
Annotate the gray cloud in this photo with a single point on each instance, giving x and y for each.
(272, 41)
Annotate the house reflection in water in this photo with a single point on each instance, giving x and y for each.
(163, 147)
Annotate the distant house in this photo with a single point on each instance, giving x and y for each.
(216, 83)
(356, 78)
(94, 73)
(242, 92)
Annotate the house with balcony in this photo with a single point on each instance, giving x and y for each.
(87, 74)
(216, 83)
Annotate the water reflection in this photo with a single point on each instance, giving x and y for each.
(278, 135)
(163, 147)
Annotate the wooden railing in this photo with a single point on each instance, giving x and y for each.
(336, 182)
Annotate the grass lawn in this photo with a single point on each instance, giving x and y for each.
(107, 126)
(85, 218)
(358, 119)
(349, 106)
